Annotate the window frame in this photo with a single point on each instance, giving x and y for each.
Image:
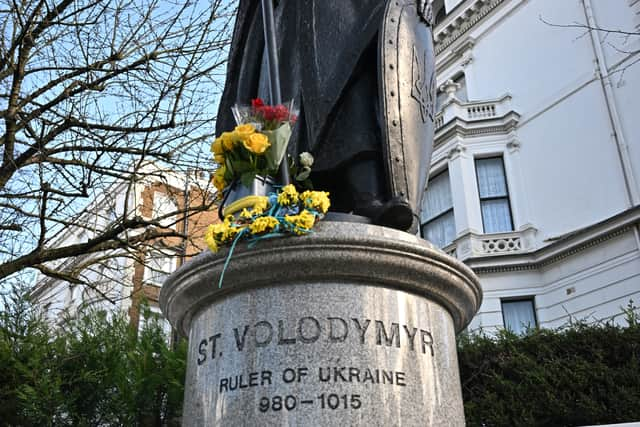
(443, 213)
(159, 202)
(525, 298)
(150, 272)
(484, 199)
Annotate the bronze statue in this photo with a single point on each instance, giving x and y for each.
(362, 72)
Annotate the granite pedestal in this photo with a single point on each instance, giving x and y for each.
(353, 324)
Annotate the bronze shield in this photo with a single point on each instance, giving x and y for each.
(407, 88)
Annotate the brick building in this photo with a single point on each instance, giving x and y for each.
(122, 279)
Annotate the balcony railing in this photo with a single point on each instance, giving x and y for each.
(472, 111)
(495, 244)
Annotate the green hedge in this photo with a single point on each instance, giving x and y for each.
(96, 370)
(578, 375)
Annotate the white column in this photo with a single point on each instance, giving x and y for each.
(520, 209)
(464, 190)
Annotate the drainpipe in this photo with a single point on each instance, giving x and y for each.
(631, 185)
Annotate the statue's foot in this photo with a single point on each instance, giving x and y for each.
(395, 213)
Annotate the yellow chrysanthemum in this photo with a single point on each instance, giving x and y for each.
(263, 224)
(260, 205)
(316, 200)
(288, 196)
(228, 229)
(218, 229)
(231, 233)
(220, 233)
(304, 221)
(210, 239)
(246, 214)
(256, 143)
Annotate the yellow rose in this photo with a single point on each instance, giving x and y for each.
(218, 181)
(256, 143)
(228, 140)
(244, 131)
(216, 147)
(219, 159)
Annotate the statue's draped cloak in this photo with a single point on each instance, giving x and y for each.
(328, 63)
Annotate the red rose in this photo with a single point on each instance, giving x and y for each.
(268, 112)
(281, 113)
(257, 103)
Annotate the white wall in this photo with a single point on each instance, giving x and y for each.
(569, 162)
(593, 285)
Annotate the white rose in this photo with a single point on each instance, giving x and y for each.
(306, 160)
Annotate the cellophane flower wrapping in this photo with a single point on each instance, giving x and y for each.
(274, 121)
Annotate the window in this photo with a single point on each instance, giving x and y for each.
(438, 224)
(494, 195)
(519, 315)
(163, 205)
(157, 267)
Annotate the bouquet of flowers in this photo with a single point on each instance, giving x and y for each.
(256, 146)
(274, 121)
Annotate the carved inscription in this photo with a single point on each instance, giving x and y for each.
(304, 375)
(307, 330)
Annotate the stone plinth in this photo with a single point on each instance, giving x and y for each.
(353, 324)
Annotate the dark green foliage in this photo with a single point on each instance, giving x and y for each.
(95, 370)
(578, 375)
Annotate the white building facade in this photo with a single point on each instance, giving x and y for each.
(535, 173)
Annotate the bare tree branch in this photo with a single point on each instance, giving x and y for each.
(91, 94)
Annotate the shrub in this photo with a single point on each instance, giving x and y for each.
(578, 375)
(93, 370)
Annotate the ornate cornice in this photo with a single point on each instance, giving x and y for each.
(462, 128)
(461, 21)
